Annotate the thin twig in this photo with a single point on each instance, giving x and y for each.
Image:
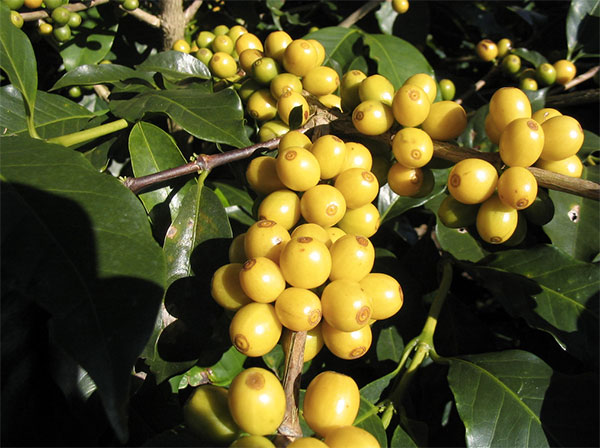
(574, 98)
(582, 78)
(144, 16)
(191, 10)
(359, 13)
(478, 85)
(74, 7)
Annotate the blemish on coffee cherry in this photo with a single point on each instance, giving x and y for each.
(455, 180)
(255, 381)
(241, 343)
(290, 155)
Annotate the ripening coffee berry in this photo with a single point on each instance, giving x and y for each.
(331, 101)
(312, 346)
(386, 293)
(508, 104)
(253, 441)
(299, 57)
(236, 252)
(347, 344)
(255, 329)
(204, 55)
(349, 86)
(486, 50)
(357, 156)
(265, 238)
(320, 49)
(563, 137)
(222, 65)
(181, 45)
(261, 175)
(323, 205)
(261, 279)
(447, 89)
(235, 32)
(346, 306)
(281, 206)
(347, 435)
(284, 82)
(504, 46)
(496, 221)
(331, 400)
(517, 187)
(545, 74)
(257, 401)
(412, 147)
(226, 289)
(294, 138)
(511, 64)
(298, 309)
(298, 168)
(261, 105)
(223, 44)
(330, 151)
(289, 101)
(272, 129)
(472, 181)
(376, 88)
(544, 114)
(565, 71)
(405, 181)
(446, 121)
(455, 214)
(361, 221)
(305, 262)
(372, 117)
(358, 186)
(204, 39)
(352, 257)
(307, 442)
(426, 82)
(526, 83)
(264, 70)
(411, 105)
(249, 57)
(521, 142)
(570, 166)
(312, 230)
(248, 40)
(400, 6)
(276, 43)
(321, 80)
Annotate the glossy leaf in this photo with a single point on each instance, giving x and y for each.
(372, 391)
(474, 135)
(591, 143)
(531, 56)
(386, 16)
(175, 65)
(340, 45)
(401, 439)
(499, 397)
(88, 75)
(94, 257)
(537, 98)
(368, 420)
(237, 202)
(54, 115)
(216, 117)
(578, 11)
(551, 291)
(574, 227)
(396, 59)
(389, 345)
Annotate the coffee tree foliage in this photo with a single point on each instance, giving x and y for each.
(107, 319)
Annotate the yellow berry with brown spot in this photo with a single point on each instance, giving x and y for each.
(517, 187)
(298, 309)
(347, 344)
(225, 287)
(472, 181)
(352, 257)
(298, 168)
(372, 117)
(358, 186)
(265, 238)
(570, 166)
(405, 181)
(361, 221)
(496, 221)
(255, 330)
(386, 293)
(412, 147)
(281, 206)
(305, 262)
(290, 100)
(323, 205)
(346, 306)
(261, 279)
(330, 151)
(521, 142)
(411, 105)
(446, 121)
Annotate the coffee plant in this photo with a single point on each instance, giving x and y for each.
(303, 224)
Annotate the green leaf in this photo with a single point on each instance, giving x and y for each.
(591, 143)
(474, 135)
(275, 360)
(389, 345)
(396, 59)
(216, 117)
(17, 59)
(386, 16)
(54, 115)
(175, 65)
(368, 420)
(401, 439)
(372, 391)
(98, 271)
(499, 397)
(574, 227)
(340, 45)
(89, 75)
(577, 12)
(530, 56)
(237, 202)
(551, 291)
(152, 150)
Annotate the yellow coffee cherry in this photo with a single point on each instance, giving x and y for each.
(563, 137)
(496, 221)
(504, 46)
(281, 206)
(570, 166)
(376, 88)
(249, 57)
(446, 121)
(323, 205)
(254, 330)
(357, 156)
(347, 344)
(487, 50)
(348, 435)
(204, 39)
(246, 41)
(261, 105)
(517, 187)
(361, 221)
(236, 31)
(314, 231)
(358, 186)
(386, 293)
(225, 287)
(181, 45)
(330, 151)
(298, 168)
(276, 43)
(219, 30)
(320, 49)
(223, 44)
(426, 82)
(349, 86)
(261, 279)
(265, 238)
(526, 83)
(472, 181)
(299, 57)
(412, 147)
(298, 309)
(544, 114)
(272, 129)
(312, 346)
(264, 70)
(236, 251)
(222, 65)
(206, 414)
(372, 117)
(284, 82)
(247, 87)
(257, 401)
(289, 101)
(455, 214)
(565, 71)
(508, 104)
(405, 181)
(521, 142)
(332, 400)
(331, 101)
(352, 257)
(346, 306)
(307, 442)
(294, 138)
(400, 6)
(305, 262)
(261, 175)
(335, 233)
(252, 441)
(321, 80)
(490, 130)
(410, 105)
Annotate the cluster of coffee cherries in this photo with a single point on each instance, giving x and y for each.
(546, 139)
(529, 78)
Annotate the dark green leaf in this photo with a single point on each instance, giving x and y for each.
(275, 360)
(98, 271)
(216, 117)
(577, 12)
(88, 75)
(591, 143)
(54, 115)
(367, 419)
(389, 345)
(175, 65)
(340, 45)
(372, 391)
(230, 364)
(90, 44)
(397, 60)
(237, 202)
(574, 227)
(400, 439)
(474, 134)
(537, 98)
(530, 56)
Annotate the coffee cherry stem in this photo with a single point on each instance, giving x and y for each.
(89, 134)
